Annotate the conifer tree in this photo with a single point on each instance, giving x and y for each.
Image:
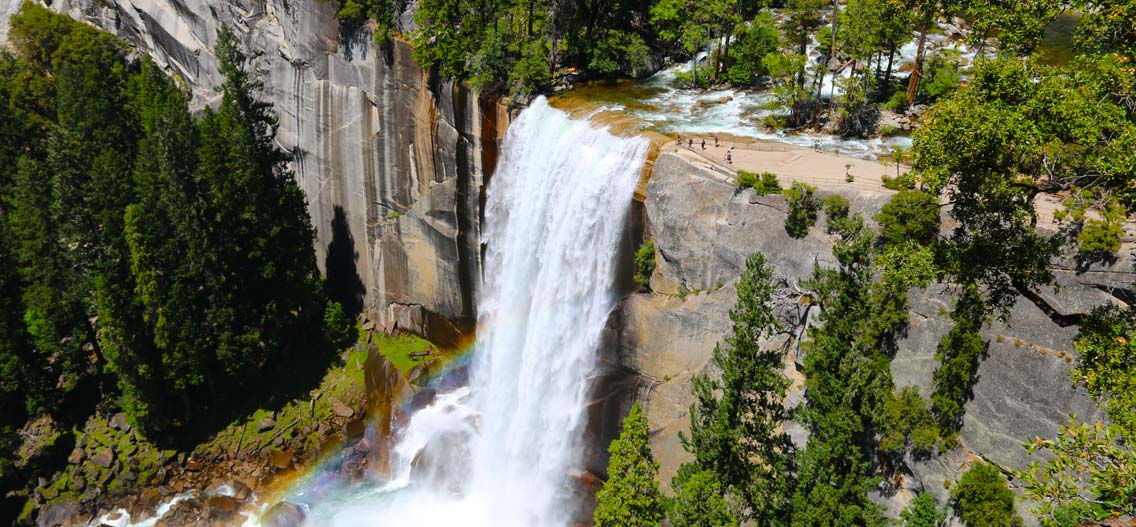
(735, 423)
(631, 496)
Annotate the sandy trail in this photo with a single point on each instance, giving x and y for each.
(824, 170)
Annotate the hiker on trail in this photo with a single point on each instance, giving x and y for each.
(704, 144)
(816, 146)
(715, 139)
(690, 143)
(730, 157)
(678, 140)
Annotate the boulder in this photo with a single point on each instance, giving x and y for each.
(119, 422)
(339, 408)
(65, 511)
(222, 506)
(266, 424)
(103, 458)
(284, 514)
(77, 456)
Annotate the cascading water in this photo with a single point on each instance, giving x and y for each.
(500, 451)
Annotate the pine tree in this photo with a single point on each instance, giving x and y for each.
(631, 496)
(699, 500)
(735, 425)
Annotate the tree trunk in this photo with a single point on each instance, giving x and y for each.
(726, 49)
(913, 82)
(891, 57)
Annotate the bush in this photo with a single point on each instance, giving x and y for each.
(910, 215)
(982, 498)
(803, 208)
(645, 264)
(338, 328)
(836, 213)
(897, 102)
(765, 183)
(889, 130)
(923, 512)
(908, 423)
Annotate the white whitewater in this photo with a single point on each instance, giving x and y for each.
(499, 453)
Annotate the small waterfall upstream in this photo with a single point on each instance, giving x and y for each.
(499, 451)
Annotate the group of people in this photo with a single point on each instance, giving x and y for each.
(729, 157)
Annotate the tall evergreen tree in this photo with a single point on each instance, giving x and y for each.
(631, 497)
(735, 425)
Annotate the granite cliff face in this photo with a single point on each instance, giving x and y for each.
(393, 160)
(703, 231)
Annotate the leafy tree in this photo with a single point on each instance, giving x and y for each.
(835, 213)
(735, 424)
(910, 215)
(982, 499)
(971, 150)
(699, 500)
(617, 51)
(645, 264)
(631, 497)
(1091, 474)
(1106, 345)
(923, 512)
(753, 43)
(803, 207)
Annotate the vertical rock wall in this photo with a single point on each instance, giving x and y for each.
(393, 161)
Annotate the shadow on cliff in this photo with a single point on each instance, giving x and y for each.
(343, 282)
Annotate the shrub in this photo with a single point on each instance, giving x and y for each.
(910, 215)
(982, 498)
(898, 102)
(763, 184)
(645, 264)
(338, 328)
(836, 213)
(923, 512)
(889, 130)
(803, 208)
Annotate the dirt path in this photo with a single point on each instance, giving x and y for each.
(824, 170)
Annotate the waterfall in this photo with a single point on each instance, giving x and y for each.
(499, 452)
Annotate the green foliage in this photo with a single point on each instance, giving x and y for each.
(910, 215)
(982, 499)
(753, 43)
(1106, 345)
(803, 207)
(908, 424)
(923, 511)
(735, 423)
(1010, 133)
(1097, 221)
(617, 51)
(1091, 474)
(699, 500)
(162, 260)
(763, 184)
(942, 75)
(836, 213)
(959, 354)
(631, 496)
(339, 329)
(645, 264)
(847, 380)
